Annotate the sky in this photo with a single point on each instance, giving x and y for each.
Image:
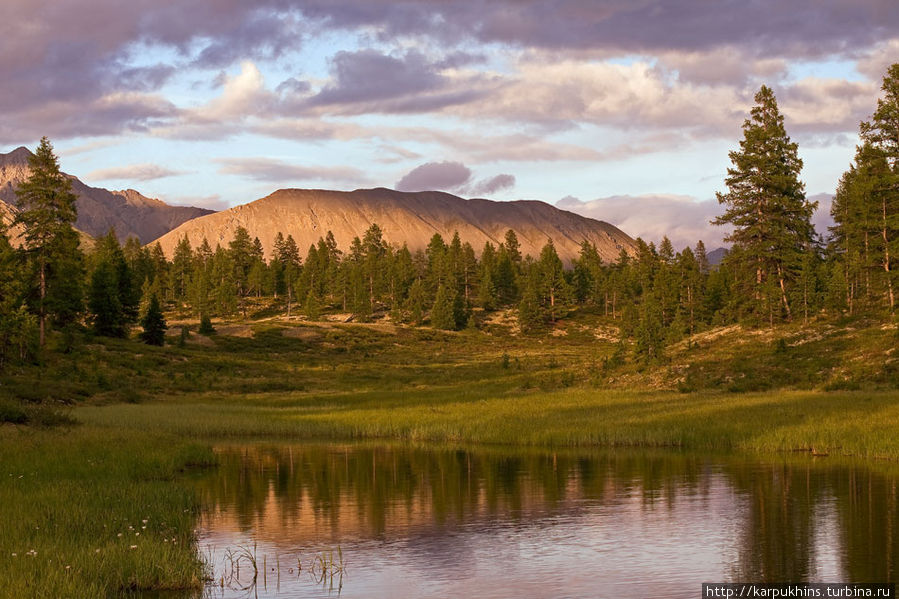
(622, 110)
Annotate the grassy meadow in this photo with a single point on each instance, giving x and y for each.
(101, 441)
(89, 512)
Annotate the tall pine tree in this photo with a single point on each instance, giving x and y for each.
(766, 205)
(47, 212)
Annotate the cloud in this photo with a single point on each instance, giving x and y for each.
(369, 81)
(481, 147)
(88, 147)
(693, 59)
(492, 185)
(134, 172)
(822, 218)
(447, 176)
(111, 114)
(210, 202)
(293, 86)
(55, 59)
(470, 145)
(369, 75)
(243, 95)
(454, 177)
(729, 65)
(875, 62)
(826, 105)
(146, 79)
(261, 35)
(683, 219)
(808, 28)
(633, 97)
(276, 171)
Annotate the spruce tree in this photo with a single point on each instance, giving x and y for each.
(241, 250)
(442, 316)
(649, 335)
(48, 213)
(530, 315)
(415, 302)
(461, 312)
(182, 265)
(551, 281)
(691, 288)
(113, 297)
(103, 302)
(766, 205)
(153, 324)
(312, 307)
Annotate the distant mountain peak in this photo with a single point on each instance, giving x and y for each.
(129, 212)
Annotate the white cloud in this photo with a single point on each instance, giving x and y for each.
(684, 220)
(133, 172)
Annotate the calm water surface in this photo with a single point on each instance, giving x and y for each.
(413, 522)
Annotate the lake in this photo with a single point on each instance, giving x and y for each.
(358, 520)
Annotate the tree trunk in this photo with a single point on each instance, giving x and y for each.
(288, 301)
(43, 314)
(867, 272)
(805, 302)
(850, 288)
(552, 304)
(690, 300)
(886, 255)
(783, 293)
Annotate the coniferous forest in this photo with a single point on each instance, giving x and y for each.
(778, 269)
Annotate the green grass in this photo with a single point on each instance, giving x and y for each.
(861, 424)
(89, 512)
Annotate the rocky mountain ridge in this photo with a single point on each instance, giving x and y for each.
(410, 218)
(128, 211)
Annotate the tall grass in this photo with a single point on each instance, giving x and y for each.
(88, 512)
(853, 423)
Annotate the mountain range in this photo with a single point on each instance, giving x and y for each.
(129, 212)
(308, 214)
(410, 218)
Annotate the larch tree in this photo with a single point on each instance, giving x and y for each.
(766, 206)
(882, 133)
(48, 213)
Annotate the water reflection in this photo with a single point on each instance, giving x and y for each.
(414, 522)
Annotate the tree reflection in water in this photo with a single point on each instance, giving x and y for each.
(790, 518)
